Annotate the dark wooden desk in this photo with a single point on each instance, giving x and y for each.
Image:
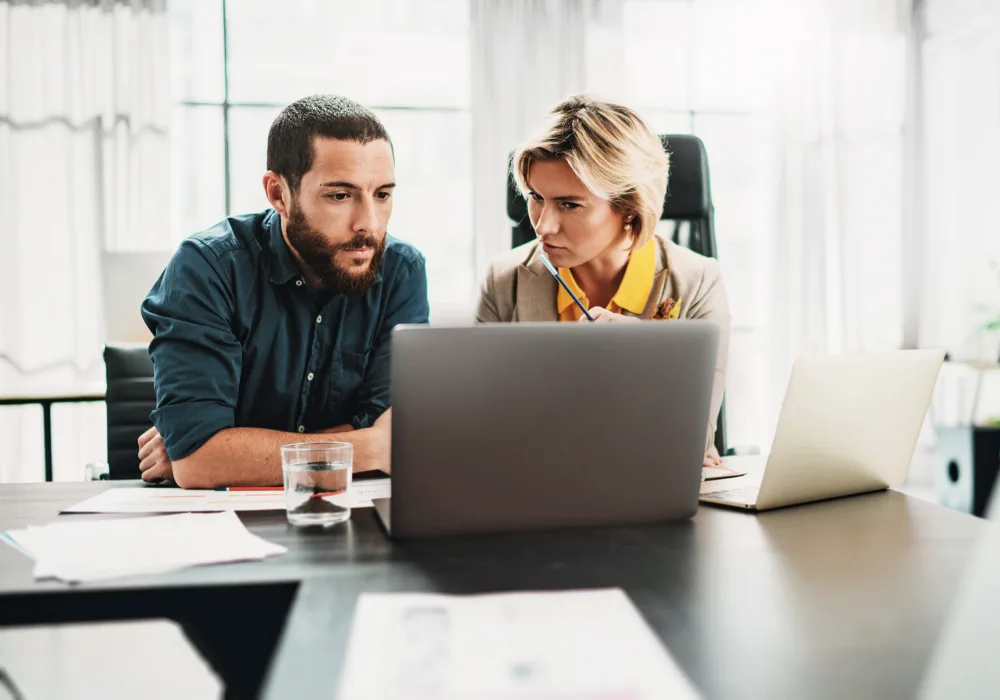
(842, 599)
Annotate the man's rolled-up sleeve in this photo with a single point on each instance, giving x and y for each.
(197, 359)
(407, 303)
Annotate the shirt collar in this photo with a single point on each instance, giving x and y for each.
(563, 300)
(633, 292)
(283, 266)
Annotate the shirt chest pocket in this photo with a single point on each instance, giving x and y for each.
(346, 375)
(349, 370)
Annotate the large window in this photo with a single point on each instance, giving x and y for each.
(236, 63)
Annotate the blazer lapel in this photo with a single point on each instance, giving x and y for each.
(536, 292)
(657, 293)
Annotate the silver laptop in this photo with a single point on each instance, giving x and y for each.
(527, 426)
(849, 424)
(964, 662)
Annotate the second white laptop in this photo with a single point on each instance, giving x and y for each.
(849, 424)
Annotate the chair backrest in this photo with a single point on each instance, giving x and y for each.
(689, 195)
(130, 400)
(688, 203)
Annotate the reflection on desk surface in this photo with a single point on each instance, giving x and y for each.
(100, 661)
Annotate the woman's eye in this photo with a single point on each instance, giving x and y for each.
(535, 196)
(570, 206)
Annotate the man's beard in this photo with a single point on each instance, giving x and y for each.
(321, 257)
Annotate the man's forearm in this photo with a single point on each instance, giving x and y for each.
(251, 456)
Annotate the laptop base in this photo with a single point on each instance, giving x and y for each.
(741, 499)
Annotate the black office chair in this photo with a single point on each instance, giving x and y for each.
(688, 205)
(130, 400)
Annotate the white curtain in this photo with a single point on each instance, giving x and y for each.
(840, 118)
(960, 144)
(527, 55)
(84, 167)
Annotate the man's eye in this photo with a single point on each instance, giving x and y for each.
(338, 196)
(384, 195)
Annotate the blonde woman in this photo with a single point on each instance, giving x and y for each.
(595, 176)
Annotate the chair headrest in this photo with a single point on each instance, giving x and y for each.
(688, 193)
(127, 361)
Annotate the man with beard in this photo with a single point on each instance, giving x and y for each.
(274, 328)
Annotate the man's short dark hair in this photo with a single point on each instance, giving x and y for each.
(290, 140)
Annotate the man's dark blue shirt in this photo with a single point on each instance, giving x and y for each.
(240, 339)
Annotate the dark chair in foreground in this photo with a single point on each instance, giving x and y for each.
(130, 400)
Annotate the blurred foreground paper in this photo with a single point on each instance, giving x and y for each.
(575, 644)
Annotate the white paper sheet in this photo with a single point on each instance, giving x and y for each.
(516, 646)
(150, 499)
(99, 549)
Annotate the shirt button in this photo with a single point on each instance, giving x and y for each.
(319, 319)
(309, 377)
(298, 283)
(302, 428)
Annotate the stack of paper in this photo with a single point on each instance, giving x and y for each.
(575, 644)
(157, 499)
(92, 550)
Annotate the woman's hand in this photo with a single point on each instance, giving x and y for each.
(712, 458)
(602, 315)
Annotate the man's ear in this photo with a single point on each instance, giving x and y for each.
(277, 192)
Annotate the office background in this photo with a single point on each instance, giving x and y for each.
(853, 144)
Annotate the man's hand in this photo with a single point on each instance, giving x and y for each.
(153, 461)
(712, 458)
(602, 315)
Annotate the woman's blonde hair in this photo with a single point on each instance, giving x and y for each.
(613, 152)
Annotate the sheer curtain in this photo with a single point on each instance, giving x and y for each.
(840, 118)
(960, 144)
(84, 167)
(802, 108)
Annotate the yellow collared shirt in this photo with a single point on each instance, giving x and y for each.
(632, 293)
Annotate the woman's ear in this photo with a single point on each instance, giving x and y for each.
(629, 218)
